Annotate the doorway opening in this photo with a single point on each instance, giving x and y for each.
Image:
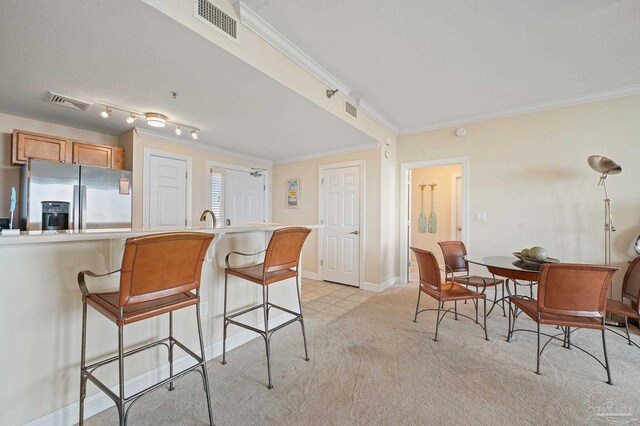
(434, 208)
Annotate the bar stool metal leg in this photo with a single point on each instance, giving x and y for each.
(224, 318)
(304, 336)
(205, 376)
(121, 410)
(171, 349)
(265, 304)
(83, 378)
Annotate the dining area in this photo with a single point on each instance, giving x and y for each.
(539, 295)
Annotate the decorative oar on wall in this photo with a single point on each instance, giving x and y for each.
(422, 219)
(433, 220)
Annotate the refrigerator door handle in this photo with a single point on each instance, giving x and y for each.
(83, 206)
(76, 208)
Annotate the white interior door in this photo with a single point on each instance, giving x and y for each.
(459, 208)
(167, 192)
(341, 218)
(244, 198)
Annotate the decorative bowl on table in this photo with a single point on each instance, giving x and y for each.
(532, 261)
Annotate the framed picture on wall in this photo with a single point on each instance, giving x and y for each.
(293, 193)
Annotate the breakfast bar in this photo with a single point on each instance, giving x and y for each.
(41, 314)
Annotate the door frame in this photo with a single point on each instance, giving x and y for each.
(152, 152)
(267, 183)
(454, 203)
(361, 260)
(404, 203)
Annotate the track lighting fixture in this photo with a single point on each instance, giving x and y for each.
(131, 118)
(331, 92)
(106, 113)
(153, 119)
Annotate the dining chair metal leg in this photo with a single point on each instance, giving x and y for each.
(304, 336)
(415, 317)
(606, 358)
(538, 350)
(226, 322)
(83, 377)
(569, 338)
(435, 339)
(509, 328)
(484, 301)
(626, 327)
(455, 310)
(171, 349)
(503, 296)
(265, 305)
(205, 376)
(121, 410)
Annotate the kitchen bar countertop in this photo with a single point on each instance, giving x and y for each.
(27, 237)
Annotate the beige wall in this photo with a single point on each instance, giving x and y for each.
(10, 175)
(441, 176)
(529, 174)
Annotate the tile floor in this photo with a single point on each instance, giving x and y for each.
(327, 301)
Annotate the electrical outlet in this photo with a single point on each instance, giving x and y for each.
(204, 309)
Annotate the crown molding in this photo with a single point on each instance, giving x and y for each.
(537, 107)
(201, 146)
(376, 115)
(323, 154)
(272, 36)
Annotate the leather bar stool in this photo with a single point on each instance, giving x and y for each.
(281, 262)
(158, 275)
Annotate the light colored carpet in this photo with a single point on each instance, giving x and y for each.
(373, 365)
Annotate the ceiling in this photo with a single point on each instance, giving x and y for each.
(423, 63)
(127, 53)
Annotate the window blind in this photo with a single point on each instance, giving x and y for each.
(217, 193)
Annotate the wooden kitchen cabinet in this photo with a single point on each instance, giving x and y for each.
(91, 154)
(27, 145)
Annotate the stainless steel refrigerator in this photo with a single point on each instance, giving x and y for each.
(99, 198)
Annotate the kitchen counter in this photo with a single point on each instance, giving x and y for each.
(41, 310)
(26, 237)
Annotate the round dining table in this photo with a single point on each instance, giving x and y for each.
(513, 269)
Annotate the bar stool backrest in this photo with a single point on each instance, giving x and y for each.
(453, 252)
(283, 251)
(428, 269)
(631, 283)
(574, 289)
(160, 265)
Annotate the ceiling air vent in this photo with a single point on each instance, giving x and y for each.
(351, 110)
(211, 15)
(68, 102)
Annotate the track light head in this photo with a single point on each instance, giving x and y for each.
(131, 118)
(331, 92)
(194, 134)
(178, 130)
(106, 113)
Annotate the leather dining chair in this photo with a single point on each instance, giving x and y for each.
(432, 285)
(159, 274)
(281, 262)
(630, 291)
(454, 262)
(569, 296)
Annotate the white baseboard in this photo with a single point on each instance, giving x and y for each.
(98, 402)
(378, 288)
(310, 275)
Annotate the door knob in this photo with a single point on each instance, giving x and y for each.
(459, 228)
(354, 233)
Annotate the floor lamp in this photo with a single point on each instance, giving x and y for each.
(605, 167)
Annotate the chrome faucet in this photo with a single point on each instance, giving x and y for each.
(203, 217)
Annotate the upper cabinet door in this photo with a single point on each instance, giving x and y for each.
(41, 147)
(92, 154)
